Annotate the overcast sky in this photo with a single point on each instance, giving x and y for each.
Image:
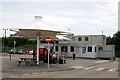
(81, 16)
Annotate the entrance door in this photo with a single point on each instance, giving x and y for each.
(77, 50)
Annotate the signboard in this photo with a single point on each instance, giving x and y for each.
(83, 49)
(48, 39)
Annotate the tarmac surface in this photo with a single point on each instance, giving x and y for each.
(82, 68)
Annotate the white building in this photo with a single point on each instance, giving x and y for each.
(90, 46)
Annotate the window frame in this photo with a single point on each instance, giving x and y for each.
(56, 48)
(89, 49)
(95, 49)
(64, 47)
(79, 38)
(71, 50)
(86, 38)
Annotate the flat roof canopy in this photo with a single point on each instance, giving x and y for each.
(32, 33)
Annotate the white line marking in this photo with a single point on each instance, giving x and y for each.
(102, 61)
(26, 74)
(77, 67)
(43, 72)
(88, 68)
(115, 62)
(13, 76)
(99, 69)
(34, 73)
(112, 70)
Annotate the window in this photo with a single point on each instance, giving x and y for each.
(56, 48)
(100, 48)
(89, 48)
(86, 38)
(95, 49)
(64, 48)
(72, 48)
(79, 38)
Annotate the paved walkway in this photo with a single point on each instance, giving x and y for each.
(78, 63)
(11, 68)
(103, 70)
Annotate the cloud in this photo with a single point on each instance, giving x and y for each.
(113, 4)
(80, 17)
(60, 20)
(71, 12)
(54, 0)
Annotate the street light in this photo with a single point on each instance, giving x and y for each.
(4, 39)
(5, 31)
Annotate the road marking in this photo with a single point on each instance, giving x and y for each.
(102, 61)
(115, 62)
(88, 68)
(5, 57)
(34, 73)
(26, 74)
(14, 76)
(44, 72)
(112, 70)
(77, 67)
(99, 69)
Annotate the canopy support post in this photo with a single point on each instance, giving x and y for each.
(38, 46)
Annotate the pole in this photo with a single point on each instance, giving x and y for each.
(102, 32)
(54, 45)
(14, 44)
(5, 39)
(10, 56)
(5, 32)
(48, 55)
(3, 44)
(38, 42)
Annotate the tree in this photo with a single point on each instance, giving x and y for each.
(9, 42)
(109, 41)
(116, 42)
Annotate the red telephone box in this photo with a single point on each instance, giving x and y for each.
(42, 53)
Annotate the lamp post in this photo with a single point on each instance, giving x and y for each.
(4, 41)
(14, 46)
(5, 31)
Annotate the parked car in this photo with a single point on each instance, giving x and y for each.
(22, 51)
(30, 52)
(13, 51)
